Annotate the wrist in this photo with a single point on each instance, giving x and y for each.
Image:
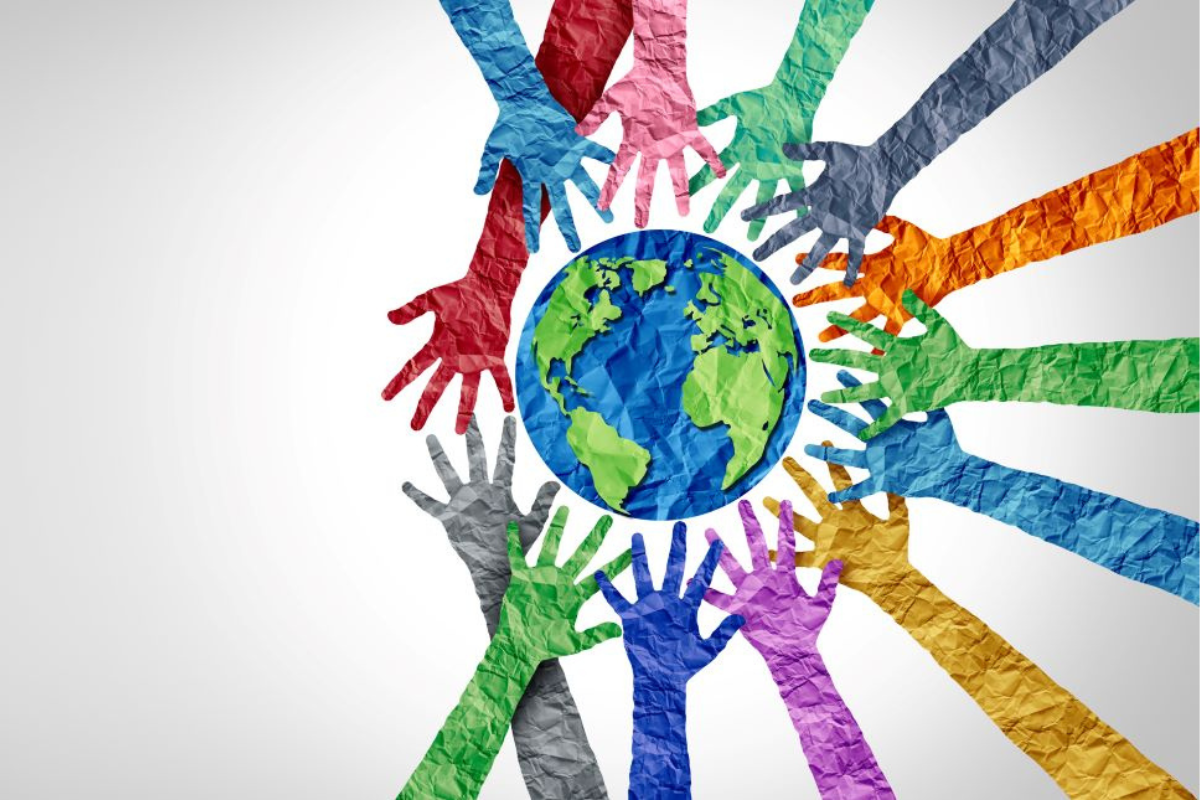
(662, 53)
(797, 668)
(508, 655)
(498, 277)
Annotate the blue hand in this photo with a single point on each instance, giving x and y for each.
(924, 460)
(665, 649)
(534, 132)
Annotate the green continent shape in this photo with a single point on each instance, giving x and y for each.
(728, 384)
(617, 464)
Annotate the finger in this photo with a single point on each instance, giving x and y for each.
(611, 595)
(754, 536)
(827, 588)
(694, 594)
(441, 463)
(785, 236)
(890, 418)
(422, 361)
(842, 481)
(893, 325)
(807, 151)
(679, 183)
(823, 294)
(725, 631)
(865, 331)
(701, 179)
(411, 310)
(855, 359)
(588, 549)
(839, 417)
(778, 205)
(673, 579)
(507, 455)
(424, 502)
(596, 635)
(838, 455)
(616, 174)
(433, 392)
(766, 190)
(814, 491)
(645, 189)
(786, 546)
(729, 561)
(467, 395)
(612, 569)
(864, 313)
(531, 208)
(875, 408)
(721, 600)
(476, 453)
(641, 568)
(896, 506)
(856, 245)
(597, 152)
(599, 112)
(591, 192)
(814, 257)
(542, 503)
(728, 195)
(548, 555)
(563, 216)
(489, 165)
(516, 556)
(854, 493)
(893, 226)
(921, 310)
(716, 112)
(709, 153)
(503, 385)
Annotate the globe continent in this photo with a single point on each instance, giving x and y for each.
(660, 375)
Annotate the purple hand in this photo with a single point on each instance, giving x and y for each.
(782, 623)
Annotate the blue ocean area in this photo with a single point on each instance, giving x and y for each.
(633, 375)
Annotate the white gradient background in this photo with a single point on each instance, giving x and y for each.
(212, 584)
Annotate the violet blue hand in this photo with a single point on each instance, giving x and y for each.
(782, 624)
(665, 649)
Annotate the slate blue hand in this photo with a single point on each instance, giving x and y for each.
(917, 459)
(665, 649)
(534, 132)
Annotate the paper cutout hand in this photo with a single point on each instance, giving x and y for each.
(657, 109)
(846, 201)
(470, 332)
(538, 137)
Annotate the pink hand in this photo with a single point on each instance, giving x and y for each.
(657, 109)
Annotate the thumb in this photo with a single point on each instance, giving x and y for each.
(894, 226)
(489, 165)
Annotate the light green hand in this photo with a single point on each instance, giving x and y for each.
(937, 368)
(781, 112)
(537, 622)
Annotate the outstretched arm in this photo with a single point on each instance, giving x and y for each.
(859, 183)
(1146, 190)
(582, 41)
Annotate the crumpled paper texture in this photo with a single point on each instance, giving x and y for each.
(937, 368)
(780, 112)
(1086, 757)
(582, 41)
(665, 649)
(782, 624)
(657, 109)
(860, 181)
(556, 759)
(533, 132)
(1148, 189)
(536, 623)
(923, 459)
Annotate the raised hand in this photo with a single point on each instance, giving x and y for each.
(657, 109)
(470, 333)
(782, 623)
(537, 623)
(782, 111)
(859, 182)
(1144, 191)
(924, 460)
(665, 649)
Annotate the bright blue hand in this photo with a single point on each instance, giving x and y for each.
(924, 460)
(534, 132)
(665, 649)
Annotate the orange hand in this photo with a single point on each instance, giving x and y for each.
(1142, 192)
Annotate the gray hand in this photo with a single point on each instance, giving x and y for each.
(556, 759)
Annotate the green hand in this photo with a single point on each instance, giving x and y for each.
(780, 112)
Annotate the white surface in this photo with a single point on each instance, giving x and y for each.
(212, 583)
